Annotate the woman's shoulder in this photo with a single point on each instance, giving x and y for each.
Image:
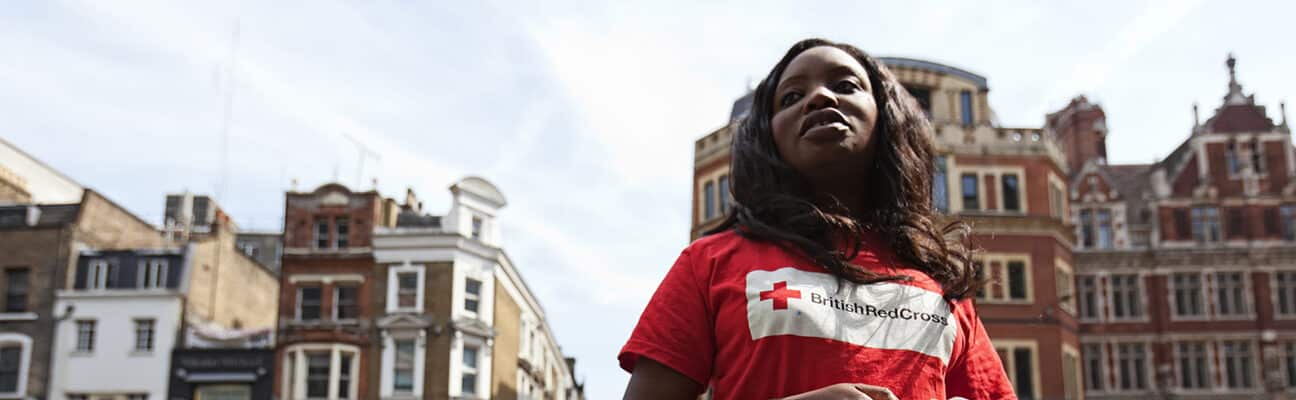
(727, 243)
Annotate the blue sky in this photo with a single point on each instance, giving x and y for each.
(583, 113)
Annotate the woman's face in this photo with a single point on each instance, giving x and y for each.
(824, 114)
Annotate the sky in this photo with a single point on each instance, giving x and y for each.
(583, 113)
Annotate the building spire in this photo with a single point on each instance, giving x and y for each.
(1235, 95)
(1196, 117)
(1283, 108)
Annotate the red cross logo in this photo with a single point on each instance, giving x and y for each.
(780, 295)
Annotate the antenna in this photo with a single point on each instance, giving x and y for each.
(231, 85)
(365, 152)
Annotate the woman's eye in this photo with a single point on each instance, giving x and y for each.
(846, 87)
(789, 99)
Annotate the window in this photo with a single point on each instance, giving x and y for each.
(1087, 234)
(17, 282)
(1087, 291)
(1181, 225)
(1238, 364)
(1104, 223)
(1131, 366)
(1019, 363)
(1017, 280)
(1188, 294)
(1094, 367)
(968, 183)
(144, 335)
(1127, 301)
(101, 275)
(1055, 201)
(940, 185)
(1231, 158)
(724, 194)
(308, 303)
(343, 237)
(152, 274)
(85, 339)
(923, 96)
(317, 375)
(1257, 157)
(344, 376)
(1230, 292)
(1288, 219)
(321, 233)
(403, 374)
(965, 105)
(472, 294)
(1065, 287)
(1190, 357)
(708, 208)
(1011, 193)
(468, 385)
(407, 289)
(319, 371)
(1205, 224)
(1071, 374)
(346, 305)
(1285, 292)
(477, 227)
(10, 367)
(1289, 362)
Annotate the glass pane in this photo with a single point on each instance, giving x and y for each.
(469, 383)
(317, 374)
(1017, 280)
(470, 357)
(1011, 201)
(1022, 364)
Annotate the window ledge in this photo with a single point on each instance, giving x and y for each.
(27, 316)
(140, 353)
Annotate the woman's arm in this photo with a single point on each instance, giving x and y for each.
(652, 380)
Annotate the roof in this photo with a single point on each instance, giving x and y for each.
(902, 62)
(50, 215)
(409, 219)
(480, 187)
(1240, 118)
(1128, 179)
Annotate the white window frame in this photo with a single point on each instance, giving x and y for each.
(1065, 289)
(97, 274)
(337, 305)
(1247, 295)
(471, 296)
(477, 227)
(1117, 373)
(154, 268)
(1257, 379)
(388, 377)
(1103, 368)
(981, 172)
(294, 380)
(476, 369)
(1209, 360)
(1139, 285)
(1203, 297)
(1100, 300)
(393, 287)
(151, 325)
(1273, 294)
(1003, 259)
(91, 337)
(1011, 345)
(297, 307)
(24, 363)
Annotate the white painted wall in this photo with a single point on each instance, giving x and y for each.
(114, 366)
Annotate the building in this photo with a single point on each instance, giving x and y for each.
(1010, 184)
(127, 311)
(327, 347)
(459, 321)
(1186, 267)
(384, 301)
(46, 219)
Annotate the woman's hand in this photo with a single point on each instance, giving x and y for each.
(846, 391)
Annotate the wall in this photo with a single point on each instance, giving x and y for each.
(508, 318)
(113, 366)
(44, 252)
(229, 288)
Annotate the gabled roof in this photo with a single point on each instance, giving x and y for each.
(1240, 118)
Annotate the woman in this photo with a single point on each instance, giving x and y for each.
(830, 280)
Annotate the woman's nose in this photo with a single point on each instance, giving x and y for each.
(821, 98)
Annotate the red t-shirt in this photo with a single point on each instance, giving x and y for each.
(756, 322)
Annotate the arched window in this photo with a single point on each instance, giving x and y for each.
(15, 358)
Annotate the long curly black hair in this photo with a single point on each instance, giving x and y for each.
(775, 203)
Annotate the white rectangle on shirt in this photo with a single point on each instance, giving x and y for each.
(883, 315)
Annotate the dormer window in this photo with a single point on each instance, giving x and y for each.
(321, 233)
(343, 227)
(100, 275)
(152, 274)
(1257, 157)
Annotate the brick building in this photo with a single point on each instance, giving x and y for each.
(1010, 184)
(1186, 268)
